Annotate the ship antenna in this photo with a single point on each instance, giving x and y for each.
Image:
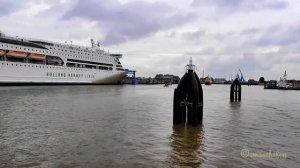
(190, 66)
(284, 75)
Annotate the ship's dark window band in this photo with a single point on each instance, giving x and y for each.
(42, 42)
(87, 66)
(119, 66)
(116, 55)
(22, 43)
(120, 69)
(89, 62)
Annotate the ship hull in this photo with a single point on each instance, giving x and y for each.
(13, 73)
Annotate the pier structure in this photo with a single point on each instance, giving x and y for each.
(236, 90)
(188, 99)
(133, 78)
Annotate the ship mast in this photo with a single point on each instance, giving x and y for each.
(190, 66)
(284, 76)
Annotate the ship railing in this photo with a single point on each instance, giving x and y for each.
(70, 46)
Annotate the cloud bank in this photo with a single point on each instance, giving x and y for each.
(159, 36)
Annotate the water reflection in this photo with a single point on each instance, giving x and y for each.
(235, 104)
(187, 146)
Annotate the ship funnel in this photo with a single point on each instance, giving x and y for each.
(188, 99)
(92, 43)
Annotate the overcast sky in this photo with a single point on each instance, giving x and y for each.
(261, 37)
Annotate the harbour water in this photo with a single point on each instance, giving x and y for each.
(131, 126)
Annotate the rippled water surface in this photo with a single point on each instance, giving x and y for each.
(131, 126)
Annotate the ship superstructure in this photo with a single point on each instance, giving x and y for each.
(26, 61)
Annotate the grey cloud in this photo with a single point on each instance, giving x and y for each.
(8, 6)
(196, 35)
(250, 31)
(294, 59)
(253, 31)
(199, 34)
(172, 34)
(247, 63)
(230, 6)
(204, 51)
(128, 21)
(279, 37)
(222, 36)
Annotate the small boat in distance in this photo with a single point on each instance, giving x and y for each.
(208, 80)
(167, 84)
(283, 84)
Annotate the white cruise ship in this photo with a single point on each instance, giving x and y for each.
(25, 62)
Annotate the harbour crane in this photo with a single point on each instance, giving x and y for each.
(241, 78)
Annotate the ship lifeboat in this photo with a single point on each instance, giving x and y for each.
(2, 52)
(16, 54)
(37, 56)
(50, 62)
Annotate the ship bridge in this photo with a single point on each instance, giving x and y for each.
(116, 55)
